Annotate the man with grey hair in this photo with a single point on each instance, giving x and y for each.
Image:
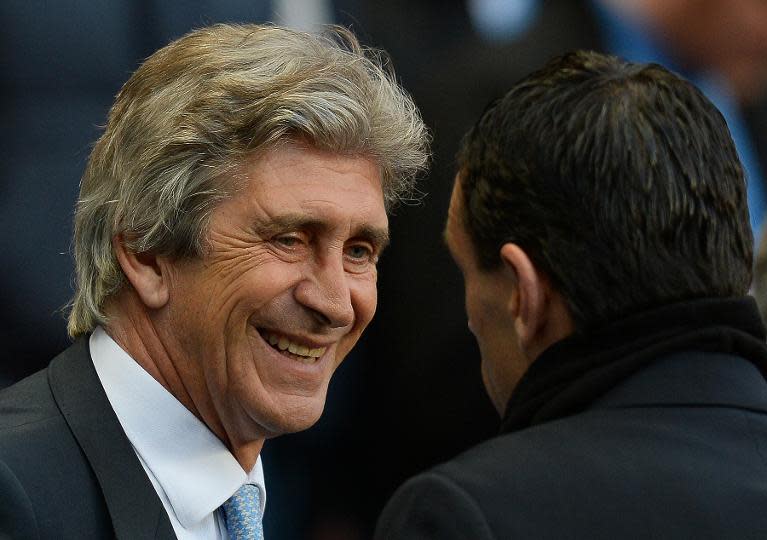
(226, 238)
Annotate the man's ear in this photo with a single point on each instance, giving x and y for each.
(528, 302)
(147, 274)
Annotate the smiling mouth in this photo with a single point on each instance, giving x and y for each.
(292, 349)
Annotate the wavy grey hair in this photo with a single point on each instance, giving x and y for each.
(198, 108)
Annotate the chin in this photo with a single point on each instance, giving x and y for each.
(297, 417)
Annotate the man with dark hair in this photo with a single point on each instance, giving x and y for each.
(599, 219)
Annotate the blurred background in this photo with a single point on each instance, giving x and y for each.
(410, 395)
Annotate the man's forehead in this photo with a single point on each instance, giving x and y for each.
(313, 177)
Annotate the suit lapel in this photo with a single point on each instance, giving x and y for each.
(134, 506)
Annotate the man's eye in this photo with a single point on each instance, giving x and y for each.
(287, 241)
(359, 253)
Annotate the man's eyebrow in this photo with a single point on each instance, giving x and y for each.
(288, 222)
(379, 236)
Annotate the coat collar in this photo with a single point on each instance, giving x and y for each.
(692, 378)
(580, 369)
(133, 504)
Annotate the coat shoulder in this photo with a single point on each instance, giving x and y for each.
(26, 403)
(47, 486)
(656, 472)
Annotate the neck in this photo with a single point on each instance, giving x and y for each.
(134, 330)
(247, 453)
(139, 333)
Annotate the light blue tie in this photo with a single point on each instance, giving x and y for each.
(242, 514)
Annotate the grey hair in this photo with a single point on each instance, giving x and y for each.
(198, 108)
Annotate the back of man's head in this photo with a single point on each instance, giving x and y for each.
(619, 180)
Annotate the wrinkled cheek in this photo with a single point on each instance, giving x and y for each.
(365, 302)
(214, 361)
(242, 337)
(229, 361)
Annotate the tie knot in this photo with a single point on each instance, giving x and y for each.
(242, 514)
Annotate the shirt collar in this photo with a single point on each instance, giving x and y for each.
(192, 466)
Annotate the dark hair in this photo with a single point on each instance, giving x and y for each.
(619, 180)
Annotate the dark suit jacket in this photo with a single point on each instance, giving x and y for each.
(67, 470)
(677, 451)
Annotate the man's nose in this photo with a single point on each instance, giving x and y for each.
(325, 291)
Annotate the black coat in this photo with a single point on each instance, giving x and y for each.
(678, 451)
(675, 450)
(67, 470)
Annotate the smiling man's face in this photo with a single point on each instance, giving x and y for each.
(259, 324)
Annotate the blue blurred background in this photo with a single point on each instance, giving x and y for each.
(410, 395)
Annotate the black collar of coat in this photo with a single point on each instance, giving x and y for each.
(574, 372)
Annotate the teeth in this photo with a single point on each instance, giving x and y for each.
(309, 356)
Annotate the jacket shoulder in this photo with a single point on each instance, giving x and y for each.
(47, 486)
(665, 472)
(26, 402)
(451, 513)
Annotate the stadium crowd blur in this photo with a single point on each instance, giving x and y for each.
(410, 395)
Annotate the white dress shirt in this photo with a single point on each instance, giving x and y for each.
(190, 468)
